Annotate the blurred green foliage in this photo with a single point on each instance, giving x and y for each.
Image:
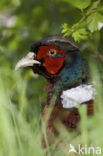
(91, 21)
(22, 94)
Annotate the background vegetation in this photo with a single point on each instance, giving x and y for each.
(22, 94)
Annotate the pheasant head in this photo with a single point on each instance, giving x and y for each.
(59, 61)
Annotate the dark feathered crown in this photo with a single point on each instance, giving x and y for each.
(58, 40)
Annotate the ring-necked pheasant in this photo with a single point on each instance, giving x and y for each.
(61, 63)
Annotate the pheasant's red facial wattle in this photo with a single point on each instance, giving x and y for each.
(53, 57)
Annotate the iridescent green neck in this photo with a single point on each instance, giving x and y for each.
(73, 74)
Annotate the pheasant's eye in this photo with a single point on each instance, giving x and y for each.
(52, 52)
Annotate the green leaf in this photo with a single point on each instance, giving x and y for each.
(80, 34)
(92, 21)
(65, 28)
(80, 4)
(95, 4)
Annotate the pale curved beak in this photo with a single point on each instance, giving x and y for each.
(28, 60)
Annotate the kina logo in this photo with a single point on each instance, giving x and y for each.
(95, 150)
